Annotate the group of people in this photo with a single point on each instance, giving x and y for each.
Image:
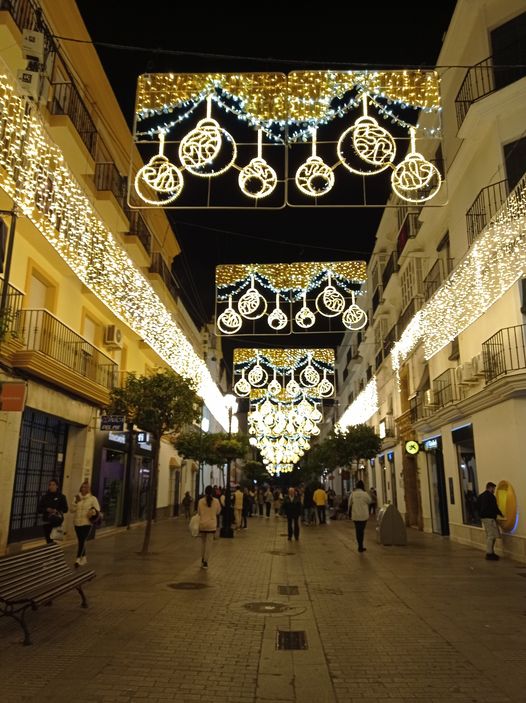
(53, 505)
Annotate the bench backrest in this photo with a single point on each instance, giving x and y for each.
(34, 567)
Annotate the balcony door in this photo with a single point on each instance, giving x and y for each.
(508, 43)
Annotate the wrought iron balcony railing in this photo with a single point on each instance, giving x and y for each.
(13, 305)
(504, 352)
(390, 268)
(437, 274)
(408, 230)
(408, 314)
(139, 228)
(107, 177)
(159, 266)
(487, 203)
(25, 16)
(66, 100)
(445, 389)
(40, 331)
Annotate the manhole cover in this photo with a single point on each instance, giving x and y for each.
(266, 607)
(288, 590)
(291, 639)
(187, 586)
(280, 553)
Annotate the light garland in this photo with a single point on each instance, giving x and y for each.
(298, 276)
(362, 409)
(35, 176)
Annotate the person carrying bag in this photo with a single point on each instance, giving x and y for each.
(87, 511)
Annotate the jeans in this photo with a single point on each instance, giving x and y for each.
(293, 525)
(359, 526)
(321, 514)
(82, 535)
(267, 509)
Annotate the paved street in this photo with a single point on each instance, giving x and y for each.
(429, 622)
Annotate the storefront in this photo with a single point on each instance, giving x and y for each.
(109, 483)
(391, 470)
(437, 485)
(467, 470)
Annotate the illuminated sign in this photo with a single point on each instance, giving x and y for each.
(119, 437)
(430, 444)
(382, 432)
(412, 447)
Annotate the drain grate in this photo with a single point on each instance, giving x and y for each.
(187, 586)
(289, 590)
(291, 639)
(266, 607)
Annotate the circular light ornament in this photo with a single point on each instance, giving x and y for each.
(229, 322)
(314, 178)
(354, 318)
(331, 299)
(415, 179)
(305, 318)
(257, 179)
(161, 176)
(309, 377)
(277, 318)
(274, 387)
(292, 389)
(252, 305)
(371, 143)
(242, 387)
(325, 389)
(257, 376)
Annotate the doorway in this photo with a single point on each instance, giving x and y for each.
(437, 489)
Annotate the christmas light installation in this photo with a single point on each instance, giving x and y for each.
(362, 409)
(269, 290)
(35, 176)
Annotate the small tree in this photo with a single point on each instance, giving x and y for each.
(161, 403)
(357, 442)
(193, 443)
(255, 471)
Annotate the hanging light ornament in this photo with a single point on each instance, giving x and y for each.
(161, 176)
(292, 389)
(309, 376)
(314, 178)
(354, 318)
(371, 143)
(242, 387)
(415, 179)
(202, 145)
(277, 318)
(257, 179)
(252, 301)
(274, 387)
(229, 322)
(331, 298)
(258, 377)
(305, 318)
(326, 388)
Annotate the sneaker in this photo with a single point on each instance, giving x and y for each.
(204, 565)
(492, 557)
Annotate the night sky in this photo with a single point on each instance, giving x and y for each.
(403, 37)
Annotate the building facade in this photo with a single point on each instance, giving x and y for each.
(443, 363)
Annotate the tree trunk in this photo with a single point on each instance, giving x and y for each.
(152, 493)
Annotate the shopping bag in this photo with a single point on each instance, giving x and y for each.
(193, 525)
(57, 534)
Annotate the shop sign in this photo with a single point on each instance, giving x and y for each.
(119, 437)
(112, 423)
(12, 396)
(430, 444)
(390, 456)
(412, 447)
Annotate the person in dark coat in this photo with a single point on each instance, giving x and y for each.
(52, 505)
(488, 511)
(292, 508)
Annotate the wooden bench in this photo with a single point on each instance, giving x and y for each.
(35, 578)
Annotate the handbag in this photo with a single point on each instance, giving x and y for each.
(95, 517)
(193, 525)
(57, 534)
(55, 519)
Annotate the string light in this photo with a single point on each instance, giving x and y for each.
(35, 176)
(362, 409)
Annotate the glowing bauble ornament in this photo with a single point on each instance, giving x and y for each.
(202, 146)
(242, 387)
(305, 318)
(257, 376)
(332, 300)
(257, 179)
(292, 389)
(161, 176)
(229, 322)
(252, 305)
(314, 178)
(309, 377)
(415, 179)
(354, 318)
(274, 387)
(277, 318)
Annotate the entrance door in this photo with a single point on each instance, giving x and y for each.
(176, 492)
(393, 483)
(41, 454)
(437, 490)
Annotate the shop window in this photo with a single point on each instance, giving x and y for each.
(467, 469)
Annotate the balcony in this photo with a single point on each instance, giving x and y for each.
(49, 349)
(408, 230)
(408, 314)
(25, 16)
(390, 268)
(13, 305)
(389, 340)
(419, 409)
(445, 389)
(159, 268)
(437, 274)
(487, 203)
(67, 101)
(376, 300)
(108, 178)
(505, 352)
(484, 79)
(138, 237)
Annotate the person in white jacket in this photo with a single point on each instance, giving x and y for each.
(85, 507)
(359, 503)
(208, 509)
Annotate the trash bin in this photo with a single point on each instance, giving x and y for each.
(390, 529)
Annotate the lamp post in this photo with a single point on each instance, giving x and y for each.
(226, 529)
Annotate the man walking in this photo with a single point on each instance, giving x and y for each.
(488, 511)
(320, 500)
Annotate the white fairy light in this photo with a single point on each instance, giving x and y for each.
(362, 409)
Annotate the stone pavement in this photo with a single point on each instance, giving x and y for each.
(432, 621)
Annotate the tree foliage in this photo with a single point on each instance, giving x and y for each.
(255, 471)
(357, 442)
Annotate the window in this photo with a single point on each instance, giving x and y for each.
(508, 44)
(515, 161)
(41, 293)
(411, 281)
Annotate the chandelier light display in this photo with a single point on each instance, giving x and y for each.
(289, 298)
(283, 110)
(35, 176)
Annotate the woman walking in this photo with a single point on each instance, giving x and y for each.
(86, 507)
(208, 509)
(292, 509)
(359, 503)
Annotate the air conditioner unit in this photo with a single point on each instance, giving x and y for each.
(429, 398)
(33, 45)
(478, 366)
(29, 82)
(113, 337)
(464, 374)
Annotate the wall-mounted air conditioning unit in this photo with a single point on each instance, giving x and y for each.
(113, 337)
(478, 366)
(464, 374)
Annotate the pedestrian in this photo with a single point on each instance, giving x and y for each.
(292, 509)
(247, 508)
(359, 503)
(276, 501)
(238, 507)
(267, 497)
(320, 500)
(374, 500)
(208, 509)
(187, 505)
(309, 510)
(86, 507)
(260, 497)
(52, 506)
(488, 511)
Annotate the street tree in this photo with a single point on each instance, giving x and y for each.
(161, 403)
(192, 443)
(255, 471)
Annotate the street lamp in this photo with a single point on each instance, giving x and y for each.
(226, 529)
